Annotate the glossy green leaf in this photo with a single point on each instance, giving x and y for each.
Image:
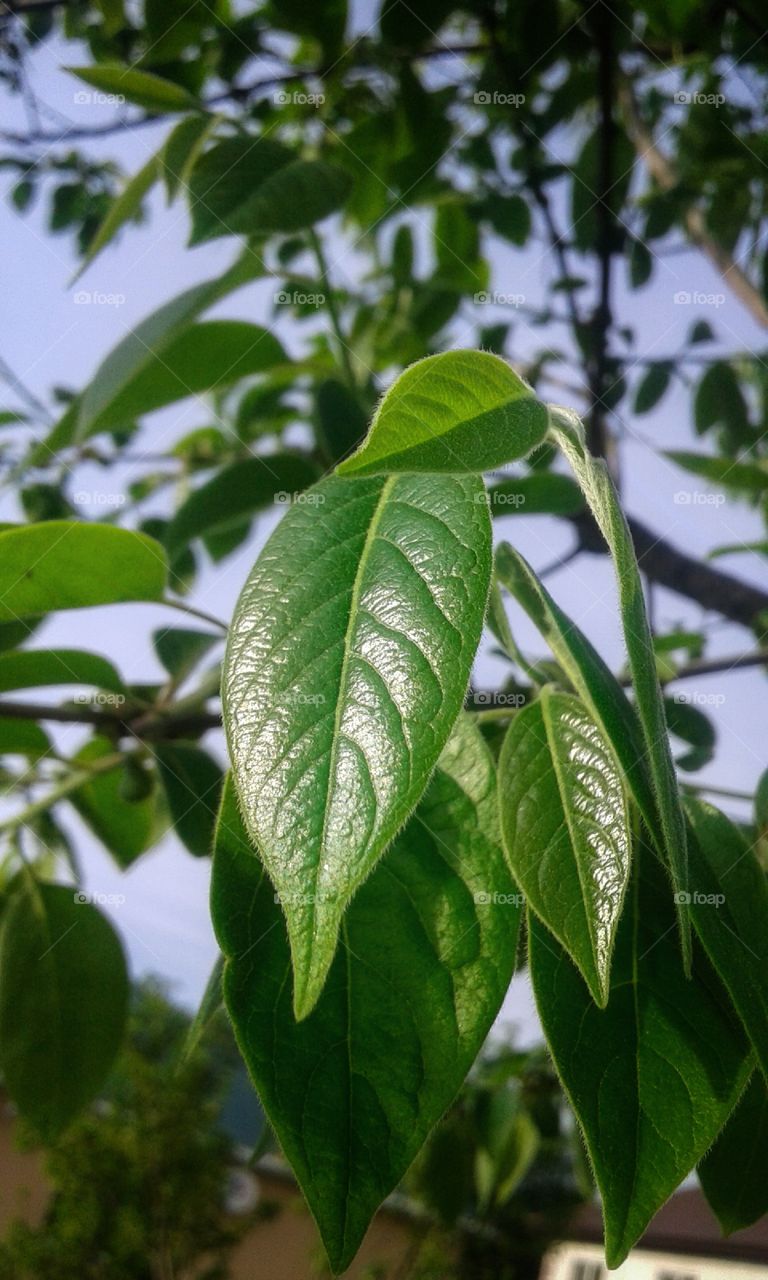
(244, 186)
(63, 1002)
(236, 493)
(654, 1076)
(729, 908)
(63, 564)
(592, 679)
(458, 411)
(426, 957)
(192, 781)
(126, 827)
(23, 738)
(140, 87)
(734, 1174)
(123, 208)
(597, 486)
(32, 668)
(347, 663)
(566, 829)
(180, 649)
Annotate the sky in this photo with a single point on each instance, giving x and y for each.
(49, 338)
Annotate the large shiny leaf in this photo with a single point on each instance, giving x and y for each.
(653, 1077)
(63, 1001)
(64, 564)
(348, 659)
(426, 956)
(597, 486)
(458, 411)
(734, 1174)
(566, 829)
(729, 907)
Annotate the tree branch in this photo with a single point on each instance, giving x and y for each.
(144, 724)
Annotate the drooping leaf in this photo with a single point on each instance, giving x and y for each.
(63, 1002)
(653, 1077)
(244, 186)
(192, 781)
(123, 208)
(734, 1174)
(426, 957)
(237, 492)
(348, 660)
(566, 829)
(181, 150)
(592, 679)
(181, 648)
(454, 412)
(33, 668)
(126, 827)
(140, 87)
(63, 564)
(729, 909)
(597, 486)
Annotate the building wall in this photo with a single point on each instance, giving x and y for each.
(587, 1262)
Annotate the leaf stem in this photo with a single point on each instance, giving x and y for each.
(64, 788)
(195, 613)
(333, 310)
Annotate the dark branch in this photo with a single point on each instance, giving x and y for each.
(145, 724)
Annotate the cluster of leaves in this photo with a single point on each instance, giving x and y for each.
(376, 841)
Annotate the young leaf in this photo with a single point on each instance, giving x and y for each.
(236, 493)
(458, 411)
(427, 954)
(734, 1174)
(192, 781)
(181, 150)
(33, 668)
(653, 1077)
(180, 649)
(63, 1002)
(63, 564)
(348, 659)
(594, 478)
(729, 909)
(592, 679)
(141, 87)
(566, 830)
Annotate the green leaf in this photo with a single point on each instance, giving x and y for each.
(566, 829)
(140, 87)
(180, 649)
(182, 149)
(192, 781)
(734, 1174)
(244, 186)
(32, 668)
(586, 186)
(597, 487)
(236, 493)
(22, 738)
(509, 216)
(63, 564)
(729, 909)
(125, 827)
(694, 727)
(592, 679)
(347, 664)
(341, 421)
(63, 1002)
(427, 955)
(738, 548)
(737, 475)
(458, 411)
(122, 210)
(653, 1077)
(544, 494)
(210, 1006)
(652, 386)
(719, 401)
(213, 353)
